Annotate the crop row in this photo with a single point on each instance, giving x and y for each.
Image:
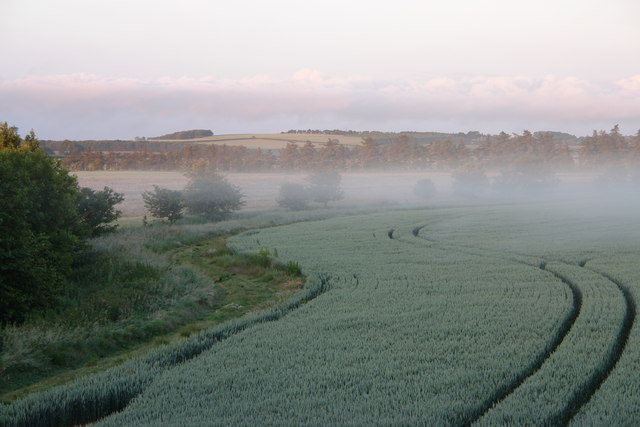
(617, 401)
(607, 251)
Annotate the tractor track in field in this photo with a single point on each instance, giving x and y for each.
(582, 396)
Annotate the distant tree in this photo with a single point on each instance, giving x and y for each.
(289, 157)
(425, 189)
(447, 154)
(368, 153)
(613, 179)
(9, 137)
(470, 181)
(210, 195)
(307, 156)
(528, 176)
(293, 196)
(324, 187)
(332, 155)
(31, 143)
(164, 203)
(97, 210)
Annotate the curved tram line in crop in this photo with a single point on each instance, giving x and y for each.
(580, 396)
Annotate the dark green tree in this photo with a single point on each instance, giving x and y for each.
(164, 203)
(39, 230)
(97, 211)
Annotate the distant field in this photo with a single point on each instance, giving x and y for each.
(275, 141)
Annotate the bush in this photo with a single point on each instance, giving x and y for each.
(470, 181)
(528, 176)
(212, 196)
(291, 268)
(164, 203)
(324, 187)
(97, 210)
(293, 196)
(39, 230)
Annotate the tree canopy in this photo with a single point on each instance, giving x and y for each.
(44, 217)
(211, 196)
(164, 203)
(39, 230)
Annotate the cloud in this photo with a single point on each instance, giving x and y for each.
(92, 106)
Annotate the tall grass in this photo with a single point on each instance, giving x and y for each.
(126, 289)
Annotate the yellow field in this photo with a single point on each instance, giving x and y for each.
(270, 141)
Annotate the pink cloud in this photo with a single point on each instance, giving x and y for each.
(308, 96)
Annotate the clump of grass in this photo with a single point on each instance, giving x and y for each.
(290, 268)
(261, 259)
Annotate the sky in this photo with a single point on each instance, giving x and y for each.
(87, 69)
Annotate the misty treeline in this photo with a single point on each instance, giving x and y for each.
(601, 150)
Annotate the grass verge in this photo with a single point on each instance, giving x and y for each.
(119, 307)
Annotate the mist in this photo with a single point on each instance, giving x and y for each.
(384, 189)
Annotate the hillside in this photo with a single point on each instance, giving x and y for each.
(186, 134)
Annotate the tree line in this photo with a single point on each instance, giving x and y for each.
(543, 149)
(45, 220)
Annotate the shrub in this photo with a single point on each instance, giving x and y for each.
(97, 210)
(293, 196)
(164, 203)
(469, 181)
(212, 196)
(324, 187)
(291, 268)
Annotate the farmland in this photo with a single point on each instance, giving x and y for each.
(503, 314)
(272, 141)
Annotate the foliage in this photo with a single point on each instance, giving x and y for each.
(293, 196)
(324, 187)
(527, 177)
(210, 195)
(425, 189)
(9, 137)
(164, 203)
(39, 230)
(291, 268)
(470, 181)
(97, 210)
